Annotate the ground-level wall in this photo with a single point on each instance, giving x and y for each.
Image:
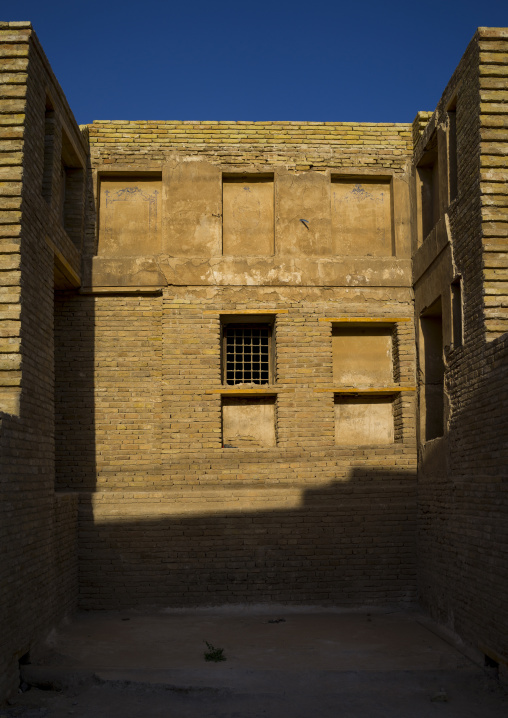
(169, 515)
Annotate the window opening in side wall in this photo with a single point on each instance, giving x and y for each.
(452, 150)
(432, 368)
(428, 189)
(72, 189)
(457, 324)
(49, 147)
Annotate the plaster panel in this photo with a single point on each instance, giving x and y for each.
(248, 422)
(305, 197)
(129, 216)
(361, 420)
(401, 216)
(362, 357)
(247, 217)
(361, 218)
(123, 272)
(287, 270)
(192, 210)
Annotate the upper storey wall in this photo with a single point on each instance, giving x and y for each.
(43, 158)
(249, 203)
(294, 145)
(460, 207)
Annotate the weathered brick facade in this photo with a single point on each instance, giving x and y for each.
(136, 472)
(462, 475)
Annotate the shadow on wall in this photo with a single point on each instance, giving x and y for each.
(463, 503)
(347, 543)
(75, 457)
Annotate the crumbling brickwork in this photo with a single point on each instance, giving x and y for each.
(150, 446)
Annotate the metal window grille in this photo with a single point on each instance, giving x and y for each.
(247, 350)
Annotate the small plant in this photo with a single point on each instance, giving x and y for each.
(214, 654)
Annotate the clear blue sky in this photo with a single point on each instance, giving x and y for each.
(265, 60)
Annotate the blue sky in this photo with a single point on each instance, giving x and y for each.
(279, 60)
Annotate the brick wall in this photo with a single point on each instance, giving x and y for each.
(167, 515)
(38, 528)
(462, 496)
(325, 144)
(14, 46)
(493, 81)
(305, 521)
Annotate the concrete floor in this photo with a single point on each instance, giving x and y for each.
(314, 662)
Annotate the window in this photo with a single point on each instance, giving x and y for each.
(452, 149)
(71, 191)
(249, 404)
(247, 352)
(49, 147)
(456, 289)
(432, 367)
(363, 359)
(428, 189)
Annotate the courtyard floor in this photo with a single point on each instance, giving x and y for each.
(298, 662)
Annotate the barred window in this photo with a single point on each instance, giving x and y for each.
(247, 352)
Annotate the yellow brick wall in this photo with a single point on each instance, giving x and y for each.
(296, 145)
(494, 177)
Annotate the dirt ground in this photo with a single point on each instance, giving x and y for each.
(280, 662)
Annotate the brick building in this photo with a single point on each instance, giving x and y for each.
(253, 362)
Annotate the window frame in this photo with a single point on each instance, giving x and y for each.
(241, 323)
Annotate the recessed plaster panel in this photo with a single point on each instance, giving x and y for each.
(303, 214)
(289, 270)
(247, 217)
(361, 218)
(360, 420)
(129, 217)
(362, 357)
(193, 206)
(401, 216)
(248, 422)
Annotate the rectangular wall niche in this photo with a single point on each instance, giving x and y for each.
(72, 188)
(428, 189)
(362, 217)
(49, 149)
(362, 356)
(129, 216)
(432, 370)
(248, 216)
(248, 422)
(362, 420)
